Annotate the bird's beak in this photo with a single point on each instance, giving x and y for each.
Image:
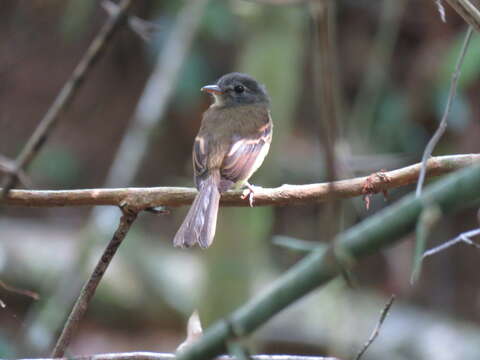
(212, 89)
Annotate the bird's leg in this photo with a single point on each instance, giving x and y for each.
(249, 192)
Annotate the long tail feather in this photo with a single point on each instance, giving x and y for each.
(201, 221)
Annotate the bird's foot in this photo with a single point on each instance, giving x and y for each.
(249, 193)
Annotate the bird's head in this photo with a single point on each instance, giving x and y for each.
(237, 89)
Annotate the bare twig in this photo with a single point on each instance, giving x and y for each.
(47, 124)
(7, 166)
(28, 293)
(142, 198)
(463, 237)
(468, 11)
(88, 290)
(441, 10)
(376, 331)
(143, 28)
(146, 355)
(443, 123)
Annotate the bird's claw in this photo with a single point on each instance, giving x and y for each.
(249, 193)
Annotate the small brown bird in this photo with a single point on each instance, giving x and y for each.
(232, 143)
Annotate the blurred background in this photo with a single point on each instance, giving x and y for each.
(378, 72)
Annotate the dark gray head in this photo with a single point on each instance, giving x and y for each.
(237, 89)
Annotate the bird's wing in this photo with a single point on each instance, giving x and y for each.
(200, 158)
(246, 154)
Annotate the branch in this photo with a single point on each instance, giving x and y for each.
(24, 292)
(376, 232)
(146, 355)
(463, 237)
(47, 124)
(142, 198)
(90, 286)
(7, 166)
(468, 11)
(441, 10)
(443, 123)
(376, 330)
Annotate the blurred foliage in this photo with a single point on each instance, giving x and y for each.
(395, 133)
(57, 164)
(75, 19)
(470, 68)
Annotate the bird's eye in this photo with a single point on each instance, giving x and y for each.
(239, 89)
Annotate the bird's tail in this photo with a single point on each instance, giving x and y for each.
(201, 221)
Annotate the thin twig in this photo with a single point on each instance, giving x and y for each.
(7, 166)
(443, 123)
(463, 237)
(88, 290)
(376, 331)
(147, 355)
(468, 11)
(64, 98)
(143, 28)
(28, 293)
(441, 10)
(143, 198)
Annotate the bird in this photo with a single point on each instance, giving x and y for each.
(231, 144)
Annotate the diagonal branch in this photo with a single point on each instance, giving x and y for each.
(443, 123)
(7, 166)
(64, 98)
(88, 290)
(142, 198)
(464, 237)
(468, 11)
(376, 330)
